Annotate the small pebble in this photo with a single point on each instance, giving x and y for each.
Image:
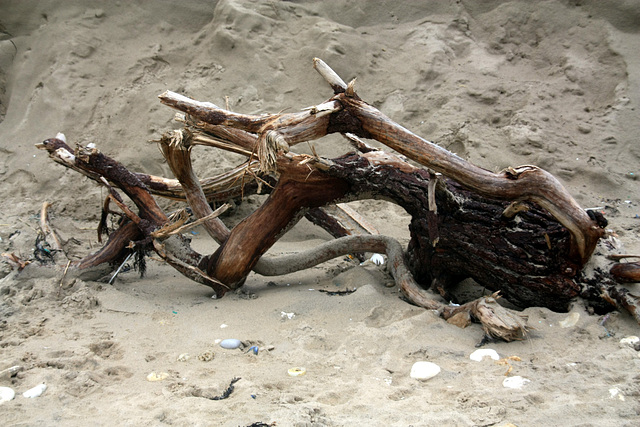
(184, 357)
(36, 391)
(230, 343)
(478, 355)
(424, 370)
(584, 128)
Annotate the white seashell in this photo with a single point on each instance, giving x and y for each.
(570, 321)
(6, 394)
(184, 357)
(36, 391)
(287, 315)
(424, 370)
(61, 137)
(514, 382)
(478, 355)
(230, 343)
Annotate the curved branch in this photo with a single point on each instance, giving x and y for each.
(176, 149)
(114, 249)
(286, 264)
(522, 183)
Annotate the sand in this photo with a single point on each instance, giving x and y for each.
(551, 83)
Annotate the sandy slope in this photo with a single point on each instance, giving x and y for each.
(500, 83)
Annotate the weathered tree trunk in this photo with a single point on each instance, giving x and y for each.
(518, 231)
(525, 257)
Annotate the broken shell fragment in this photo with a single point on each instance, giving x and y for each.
(570, 321)
(478, 355)
(35, 391)
(424, 370)
(6, 394)
(153, 376)
(184, 357)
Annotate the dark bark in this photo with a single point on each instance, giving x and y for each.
(524, 257)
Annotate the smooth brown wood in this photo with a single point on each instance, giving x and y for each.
(299, 188)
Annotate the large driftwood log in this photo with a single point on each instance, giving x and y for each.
(518, 232)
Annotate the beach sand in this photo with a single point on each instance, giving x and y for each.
(551, 83)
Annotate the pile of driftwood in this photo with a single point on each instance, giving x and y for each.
(517, 232)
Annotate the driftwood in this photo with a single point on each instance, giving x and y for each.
(517, 232)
